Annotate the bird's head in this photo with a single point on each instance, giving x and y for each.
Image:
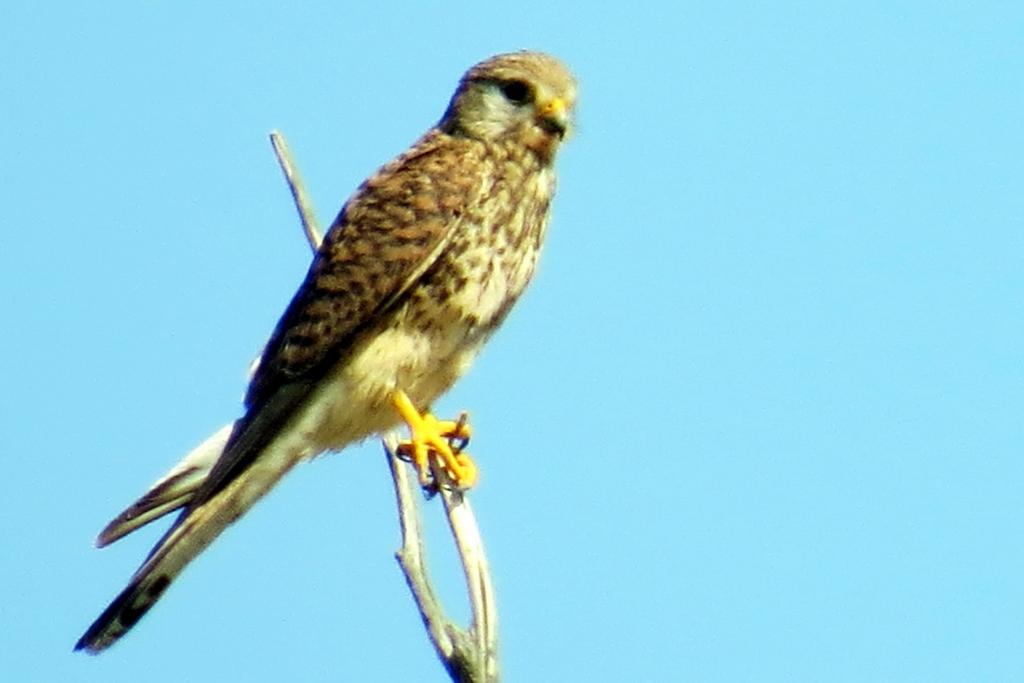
(522, 98)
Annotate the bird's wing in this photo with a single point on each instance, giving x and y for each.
(385, 238)
(379, 245)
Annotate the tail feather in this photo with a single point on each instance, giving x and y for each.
(174, 490)
(194, 530)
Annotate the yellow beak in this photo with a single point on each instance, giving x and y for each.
(555, 114)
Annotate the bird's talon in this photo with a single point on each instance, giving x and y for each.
(462, 471)
(443, 440)
(461, 434)
(404, 452)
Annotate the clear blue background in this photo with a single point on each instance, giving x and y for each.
(759, 417)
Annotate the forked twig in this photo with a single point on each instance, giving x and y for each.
(467, 654)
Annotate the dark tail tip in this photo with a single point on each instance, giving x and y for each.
(123, 613)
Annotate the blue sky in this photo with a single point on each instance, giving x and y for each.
(758, 418)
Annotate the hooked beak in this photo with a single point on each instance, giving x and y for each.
(554, 116)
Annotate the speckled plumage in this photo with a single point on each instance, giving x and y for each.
(421, 265)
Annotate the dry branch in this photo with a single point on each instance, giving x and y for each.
(468, 654)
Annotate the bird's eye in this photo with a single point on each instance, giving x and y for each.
(517, 92)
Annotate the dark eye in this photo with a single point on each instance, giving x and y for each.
(518, 92)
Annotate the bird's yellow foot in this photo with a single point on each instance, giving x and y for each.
(444, 439)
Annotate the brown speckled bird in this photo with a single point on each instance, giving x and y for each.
(420, 267)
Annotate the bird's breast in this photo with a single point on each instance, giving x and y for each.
(430, 338)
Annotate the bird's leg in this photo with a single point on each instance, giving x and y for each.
(445, 439)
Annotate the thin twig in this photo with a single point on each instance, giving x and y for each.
(469, 655)
(302, 203)
(484, 628)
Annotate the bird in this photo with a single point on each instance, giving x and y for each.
(419, 268)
